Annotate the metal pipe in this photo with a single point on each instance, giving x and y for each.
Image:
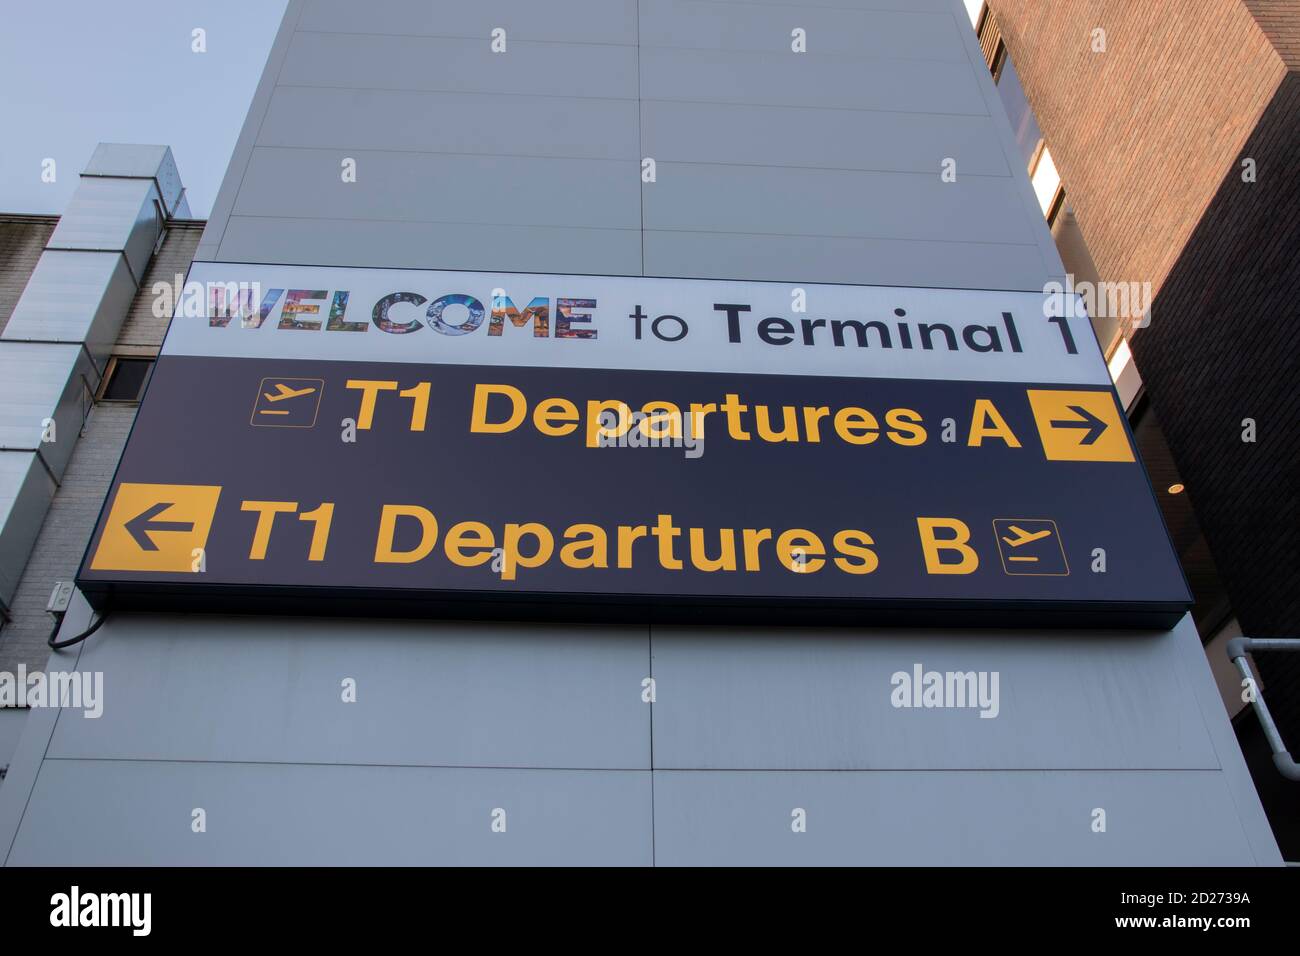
(1238, 648)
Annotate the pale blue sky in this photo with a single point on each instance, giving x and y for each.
(79, 72)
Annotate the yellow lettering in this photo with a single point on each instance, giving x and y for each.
(596, 428)
(469, 534)
(510, 541)
(932, 546)
(553, 410)
(595, 541)
(384, 553)
(987, 422)
(849, 422)
(909, 423)
(627, 536)
(844, 544)
(321, 517)
(369, 392)
(266, 512)
(796, 546)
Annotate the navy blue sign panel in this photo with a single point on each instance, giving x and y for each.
(587, 493)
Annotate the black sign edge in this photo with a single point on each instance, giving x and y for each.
(313, 601)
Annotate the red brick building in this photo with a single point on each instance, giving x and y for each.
(1174, 130)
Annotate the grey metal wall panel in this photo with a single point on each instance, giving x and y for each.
(929, 5)
(1067, 701)
(1041, 818)
(507, 125)
(430, 694)
(135, 160)
(368, 62)
(25, 762)
(577, 21)
(429, 187)
(422, 245)
(787, 79)
(834, 31)
(75, 297)
(40, 382)
(112, 214)
(798, 259)
(225, 201)
(820, 138)
(12, 721)
(781, 201)
(26, 490)
(981, 81)
(128, 813)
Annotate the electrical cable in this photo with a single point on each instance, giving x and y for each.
(58, 623)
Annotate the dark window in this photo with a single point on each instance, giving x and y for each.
(126, 378)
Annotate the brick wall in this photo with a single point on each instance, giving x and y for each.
(1143, 133)
(142, 328)
(22, 239)
(1280, 21)
(71, 517)
(1149, 138)
(1222, 347)
(63, 536)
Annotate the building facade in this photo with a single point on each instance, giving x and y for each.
(524, 151)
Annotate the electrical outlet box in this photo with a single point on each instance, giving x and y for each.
(60, 598)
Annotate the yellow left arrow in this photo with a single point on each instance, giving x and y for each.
(156, 528)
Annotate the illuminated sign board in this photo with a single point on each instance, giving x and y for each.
(513, 445)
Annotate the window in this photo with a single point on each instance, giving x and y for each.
(1046, 182)
(125, 379)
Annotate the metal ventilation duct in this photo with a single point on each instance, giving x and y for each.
(56, 345)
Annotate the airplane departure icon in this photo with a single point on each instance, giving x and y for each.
(284, 391)
(1022, 536)
(287, 402)
(1030, 546)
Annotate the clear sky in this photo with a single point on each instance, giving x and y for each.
(79, 72)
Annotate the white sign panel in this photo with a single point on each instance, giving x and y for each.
(574, 321)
